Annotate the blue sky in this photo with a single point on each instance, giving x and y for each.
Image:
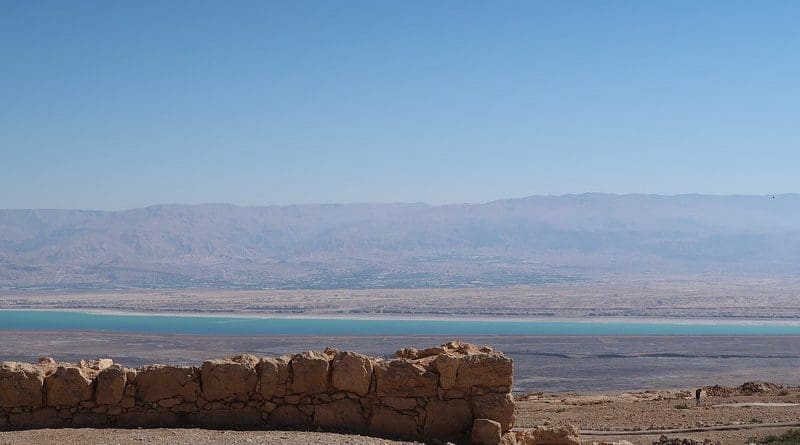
(112, 105)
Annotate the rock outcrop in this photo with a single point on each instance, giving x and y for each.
(543, 435)
(457, 392)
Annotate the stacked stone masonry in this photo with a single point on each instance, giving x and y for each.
(436, 393)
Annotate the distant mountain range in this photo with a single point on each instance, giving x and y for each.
(538, 239)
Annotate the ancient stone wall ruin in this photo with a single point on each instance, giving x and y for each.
(421, 394)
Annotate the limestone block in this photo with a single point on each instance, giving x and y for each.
(272, 372)
(390, 423)
(352, 373)
(447, 367)
(486, 432)
(84, 420)
(484, 370)
(248, 417)
(156, 382)
(497, 407)
(288, 416)
(38, 418)
(399, 403)
(447, 419)
(68, 386)
(405, 378)
(110, 385)
(234, 376)
(20, 385)
(344, 415)
(149, 419)
(309, 373)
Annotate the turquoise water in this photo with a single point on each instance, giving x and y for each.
(227, 325)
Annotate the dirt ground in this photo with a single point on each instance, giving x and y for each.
(182, 437)
(641, 417)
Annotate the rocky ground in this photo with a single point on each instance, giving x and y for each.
(727, 415)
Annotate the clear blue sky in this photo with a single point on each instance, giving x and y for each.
(112, 105)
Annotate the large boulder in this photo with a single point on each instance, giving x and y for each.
(310, 373)
(497, 407)
(447, 419)
(387, 422)
(351, 373)
(344, 415)
(20, 385)
(484, 370)
(272, 373)
(158, 382)
(110, 385)
(68, 386)
(405, 378)
(229, 377)
(486, 432)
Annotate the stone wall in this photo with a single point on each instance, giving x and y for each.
(436, 393)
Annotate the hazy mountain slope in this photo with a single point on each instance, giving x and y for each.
(524, 240)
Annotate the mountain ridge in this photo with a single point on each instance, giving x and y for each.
(536, 239)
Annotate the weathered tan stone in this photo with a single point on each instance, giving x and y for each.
(169, 403)
(486, 432)
(309, 373)
(399, 403)
(228, 418)
(229, 377)
(38, 418)
(447, 367)
(509, 438)
(351, 372)
(453, 347)
(288, 416)
(186, 407)
(68, 386)
(158, 382)
(497, 407)
(84, 420)
(404, 378)
(110, 385)
(148, 419)
(272, 373)
(345, 415)
(447, 419)
(20, 385)
(389, 423)
(484, 370)
(563, 435)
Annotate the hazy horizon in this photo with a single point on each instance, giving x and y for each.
(417, 202)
